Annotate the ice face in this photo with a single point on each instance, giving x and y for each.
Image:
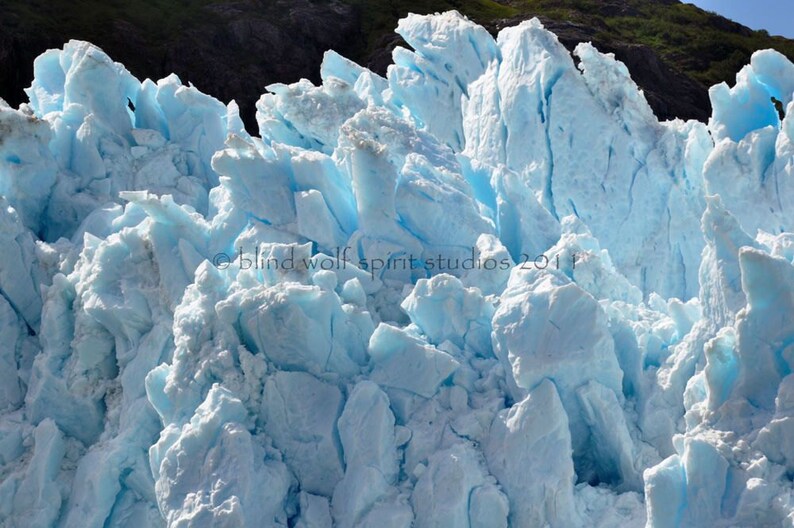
(490, 289)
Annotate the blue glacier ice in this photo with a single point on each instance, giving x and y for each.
(489, 289)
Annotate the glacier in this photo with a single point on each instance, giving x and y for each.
(490, 289)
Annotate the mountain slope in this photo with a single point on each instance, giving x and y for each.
(233, 49)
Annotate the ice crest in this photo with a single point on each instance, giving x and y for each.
(490, 289)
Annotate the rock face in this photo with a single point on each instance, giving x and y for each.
(233, 49)
(229, 49)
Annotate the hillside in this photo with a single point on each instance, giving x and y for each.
(233, 49)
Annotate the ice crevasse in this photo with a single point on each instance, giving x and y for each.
(153, 373)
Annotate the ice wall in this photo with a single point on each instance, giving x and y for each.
(490, 289)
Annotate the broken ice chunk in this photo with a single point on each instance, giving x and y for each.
(403, 361)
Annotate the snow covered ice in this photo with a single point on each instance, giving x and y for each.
(498, 292)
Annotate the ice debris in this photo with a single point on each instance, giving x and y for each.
(490, 289)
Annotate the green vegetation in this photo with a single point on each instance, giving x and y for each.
(695, 41)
